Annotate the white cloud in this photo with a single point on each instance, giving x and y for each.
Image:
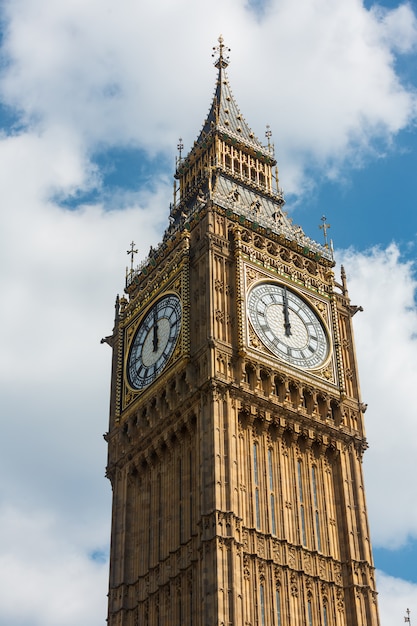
(399, 26)
(88, 74)
(395, 596)
(61, 272)
(322, 76)
(44, 579)
(332, 83)
(386, 336)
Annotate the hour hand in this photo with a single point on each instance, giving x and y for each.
(287, 324)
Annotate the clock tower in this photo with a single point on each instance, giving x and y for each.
(236, 428)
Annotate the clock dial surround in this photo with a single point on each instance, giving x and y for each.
(154, 341)
(287, 325)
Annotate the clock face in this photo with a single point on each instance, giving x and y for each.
(154, 341)
(287, 325)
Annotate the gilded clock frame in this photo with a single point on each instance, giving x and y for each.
(320, 303)
(177, 284)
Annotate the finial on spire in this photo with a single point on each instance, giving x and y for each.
(408, 618)
(324, 227)
(180, 148)
(222, 51)
(132, 252)
(268, 134)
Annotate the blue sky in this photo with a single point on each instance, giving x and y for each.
(93, 99)
(374, 204)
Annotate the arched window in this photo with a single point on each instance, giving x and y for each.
(325, 620)
(272, 493)
(301, 503)
(256, 481)
(262, 603)
(278, 607)
(316, 508)
(310, 613)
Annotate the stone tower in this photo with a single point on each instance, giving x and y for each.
(236, 425)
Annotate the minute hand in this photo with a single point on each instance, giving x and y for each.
(155, 331)
(287, 324)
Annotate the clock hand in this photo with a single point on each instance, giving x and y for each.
(287, 324)
(155, 330)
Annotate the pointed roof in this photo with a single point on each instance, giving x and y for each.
(224, 115)
(243, 196)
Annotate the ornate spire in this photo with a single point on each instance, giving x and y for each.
(224, 115)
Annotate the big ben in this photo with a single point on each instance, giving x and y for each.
(236, 429)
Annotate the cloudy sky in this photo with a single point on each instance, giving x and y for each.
(94, 95)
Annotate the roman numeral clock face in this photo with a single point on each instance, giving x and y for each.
(287, 325)
(154, 341)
